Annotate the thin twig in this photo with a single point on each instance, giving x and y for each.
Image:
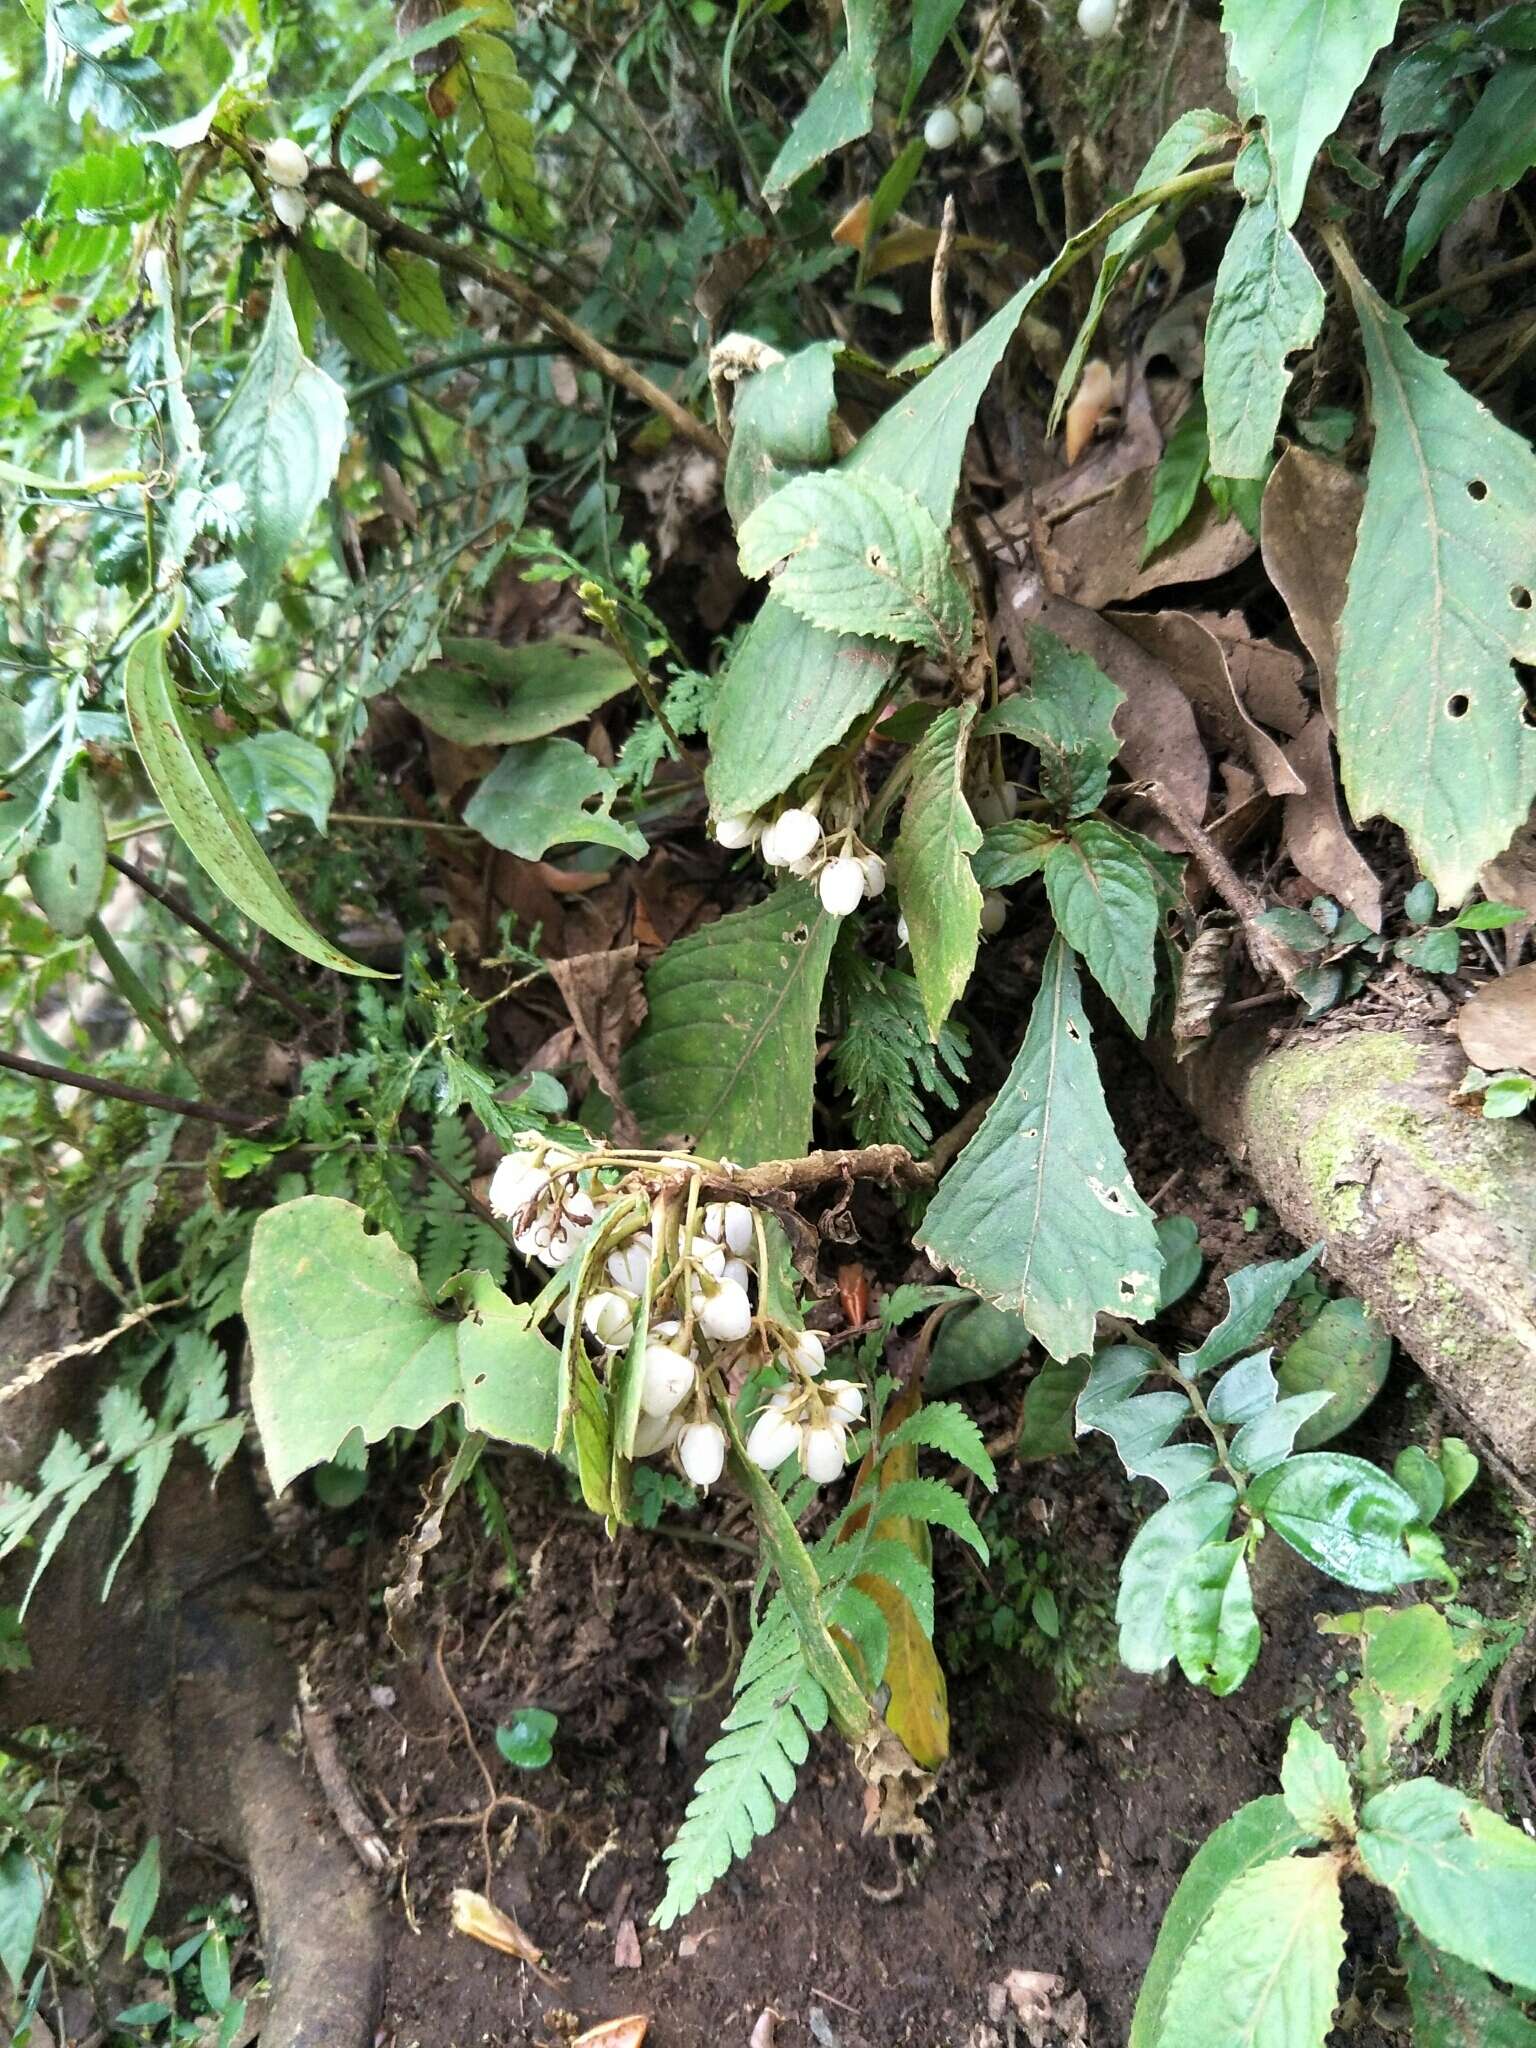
(121, 1091)
(351, 1816)
(938, 303)
(182, 910)
(1495, 273)
(1270, 954)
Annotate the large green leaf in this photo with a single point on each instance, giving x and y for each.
(841, 108)
(1299, 65)
(1431, 713)
(938, 893)
(343, 1338)
(781, 426)
(536, 797)
(728, 1049)
(352, 308)
(1343, 1515)
(279, 438)
(203, 811)
(1104, 899)
(1315, 1783)
(1455, 2006)
(279, 771)
(1210, 1612)
(1159, 1554)
(1263, 1972)
(790, 691)
(1268, 303)
(490, 696)
(1257, 1834)
(494, 104)
(1344, 1353)
(1492, 149)
(66, 872)
(859, 555)
(1038, 1213)
(21, 1909)
(1465, 1878)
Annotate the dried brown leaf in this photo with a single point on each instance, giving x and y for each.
(1094, 556)
(1202, 988)
(728, 273)
(625, 2033)
(1033, 1995)
(474, 1915)
(1497, 1028)
(1315, 834)
(606, 999)
(1094, 397)
(626, 1947)
(1198, 664)
(1308, 521)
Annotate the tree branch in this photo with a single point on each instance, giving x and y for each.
(121, 1091)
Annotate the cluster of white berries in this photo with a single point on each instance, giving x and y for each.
(702, 1282)
(1001, 101)
(845, 870)
(287, 169)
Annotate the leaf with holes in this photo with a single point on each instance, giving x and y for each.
(938, 894)
(859, 555)
(728, 1048)
(1038, 1213)
(1439, 630)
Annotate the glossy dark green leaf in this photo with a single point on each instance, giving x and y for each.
(1159, 1554)
(1342, 1515)
(1210, 1614)
(527, 1740)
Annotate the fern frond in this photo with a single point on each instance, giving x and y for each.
(945, 1426)
(494, 119)
(885, 1060)
(763, 1741)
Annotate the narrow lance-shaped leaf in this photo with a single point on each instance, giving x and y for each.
(841, 108)
(1432, 717)
(1039, 1213)
(1492, 149)
(937, 891)
(202, 810)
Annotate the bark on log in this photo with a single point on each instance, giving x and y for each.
(1427, 1210)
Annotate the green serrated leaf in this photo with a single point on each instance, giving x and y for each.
(1342, 1515)
(1103, 897)
(1431, 714)
(975, 1343)
(343, 1338)
(203, 811)
(280, 439)
(1299, 66)
(1455, 2006)
(1492, 149)
(1465, 1878)
(493, 117)
(1268, 304)
(1315, 1783)
(938, 894)
(945, 1426)
(349, 301)
(841, 108)
(1178, 1239)
(781, 427)
(1068, 713)
(1257, 1834)
(728, 1048)
(418, 294)
(1050, 1410)
(1038, 1214)
(857, 554)
(536, 797)
(1263, 1972)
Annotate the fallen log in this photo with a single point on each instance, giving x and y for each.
(1426, 1209)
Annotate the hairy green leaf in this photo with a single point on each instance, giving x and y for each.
(1068, 713)
(1038, 1213)
(781, 427)
(1315, 1784)
(1263, 1972)
(1299, 66)
(728, 1047)
(1050, 1408)
(1455, 2006)
(493, 116)
(418, 294)
(280, 439)
(1181, 469)
(1432, 719)
(1103, 897)
(859, 555)
(1465, 1878)
(203, 811)
(1342, 1515)
(938, 894)
(22, 1895)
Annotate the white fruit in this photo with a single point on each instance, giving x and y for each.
(737, 831)
(792, 836)
(655, 1433)
(739, 1272)
(841, 886)
(903, 935)
(971, 118)
(290, 206)
(874, 873)
(1097, 18)
(286, 163)
(368, 175)
(808, 1353)
(725, 1314)
(772, 1439)
(610, 1318)
(941, 130)
(665, 1377)
(1003, 99)
(628, 1266)
(821, 1452)
(845, 1400)
(515, 1183)
(994, 912)
(708, 1256)
(701, 1451)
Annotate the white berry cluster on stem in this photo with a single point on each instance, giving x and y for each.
(844, 869)
(287, 169)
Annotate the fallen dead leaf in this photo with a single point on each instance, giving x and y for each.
(765, 2029)
(690, 1944)
(1196, 660)
(474, 1915)
(1315, 834)
(852, 231)
(1202, 988)
(1033, 1995)
(1497, 1028)
(606, 999)
(1266, 677)
(626, 1947)
(728, 273)
(1512, 879)
(625, 2033)
(1093, 398)
(1307, 523)
(1094, 556)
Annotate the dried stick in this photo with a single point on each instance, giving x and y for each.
(938, 302)
(37, 1369)
(351, 1816)
(1270, 954)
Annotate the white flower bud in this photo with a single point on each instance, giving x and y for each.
(1097, 18)
(559, 1246)
(708, 1256)
(480, 299)
(1004, 101)
(792, 835)
(290, 206)
(738, 829)
(874, 873)
(903, 935)
(610, 1318)
(725, 1313)
(994, 912)
(971, 117)
(730, 1224)
(808, 1353)
(772, 1439)
(845, 1400)
(665, 1377)
(821, 1452)
(576, 1206)
(738, 1271)
(701, 1451)
(628, 1266)
(841, 886)
(286, 163)
(655, 1433)
(941, 130)
(802, 870)
(515, 1183)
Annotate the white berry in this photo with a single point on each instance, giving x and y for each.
(1097, 18)
(772, 1439)
(286, 163)
(1003, 99)
(666, 1376)
(845, 1399)
(792, 836)
(841, 886)
(809, 1353)
(874, 873)
(701, 1451)
(610, 1318)
(970, 117)
(941, 130)
(994, 912)
(725, 1313)
(737, 830)
(290, 206)
(821, 1452)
